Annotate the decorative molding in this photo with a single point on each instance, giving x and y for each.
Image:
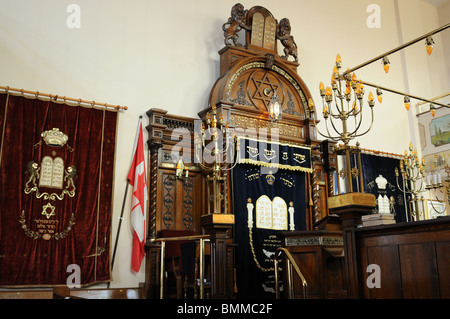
(245, 122)
(315, 240)
(168, 200)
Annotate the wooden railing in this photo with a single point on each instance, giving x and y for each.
(201, 239)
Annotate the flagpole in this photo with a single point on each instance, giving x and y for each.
(120, 221)
(118, 229)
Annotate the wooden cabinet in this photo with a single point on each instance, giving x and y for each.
(414, 259)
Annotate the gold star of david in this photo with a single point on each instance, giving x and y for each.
(264, 88)
(48, 210)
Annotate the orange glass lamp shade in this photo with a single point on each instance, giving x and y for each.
(379, 95)
(407, 102)
(433, 110)
(386, 63)
(429, 45)
(322, 89)
(371, 101)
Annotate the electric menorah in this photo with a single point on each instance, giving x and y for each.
(217, 157)
(343, 103)
(413, 174)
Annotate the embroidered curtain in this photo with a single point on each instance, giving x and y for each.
(267, 199)
(56, 168)
(274, 154)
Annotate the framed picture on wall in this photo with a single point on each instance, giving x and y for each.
(435, 209)
(434, 133)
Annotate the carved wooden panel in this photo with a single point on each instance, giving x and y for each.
(254, 85)
(269, 33)
(180, 201)
(257, 29)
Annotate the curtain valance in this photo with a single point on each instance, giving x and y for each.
(274, 154)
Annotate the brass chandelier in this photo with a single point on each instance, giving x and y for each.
(343, 102)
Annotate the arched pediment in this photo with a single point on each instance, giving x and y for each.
(251, 81)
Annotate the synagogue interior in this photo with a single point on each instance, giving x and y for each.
(225, 150)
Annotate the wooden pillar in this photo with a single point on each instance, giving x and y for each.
(155, 133)
(350, 207)
(217, 226)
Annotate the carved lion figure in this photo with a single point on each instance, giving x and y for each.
(235, 23)
(284, 35)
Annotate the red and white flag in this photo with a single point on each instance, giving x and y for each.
(137, 178)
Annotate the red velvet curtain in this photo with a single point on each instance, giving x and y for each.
(45, 228)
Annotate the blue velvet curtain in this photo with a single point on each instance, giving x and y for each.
(257, 245)
(374, 166)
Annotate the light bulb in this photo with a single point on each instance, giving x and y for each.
(379, 95)
(386, 63)
(407, 102)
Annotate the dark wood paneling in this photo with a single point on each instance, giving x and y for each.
(413, 259)
(443, 264)
(419, 271)
(390, 273)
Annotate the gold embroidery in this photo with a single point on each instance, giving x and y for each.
(46, 228)
(48, 210)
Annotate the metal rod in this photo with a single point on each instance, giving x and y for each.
(290, 265)
(435, 98)
(277, 283)
(56, 97)
(397, 49)
(402, 93)
(202, 269)
(290, 283)
(120, 224)
(161, 275)
(202, 239)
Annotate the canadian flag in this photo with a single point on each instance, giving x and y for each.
(137, 179)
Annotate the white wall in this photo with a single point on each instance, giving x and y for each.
(163, 54)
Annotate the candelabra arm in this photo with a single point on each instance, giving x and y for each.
(339, 135)
(234, 164)
(370, 127)
(358, 124)
(320, 133)
(403, 190)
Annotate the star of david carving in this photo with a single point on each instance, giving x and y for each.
(264, 89)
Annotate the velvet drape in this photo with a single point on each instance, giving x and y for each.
(44, 228)
(376, 165)
(258, 244)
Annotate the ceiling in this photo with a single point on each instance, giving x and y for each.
(436, 3)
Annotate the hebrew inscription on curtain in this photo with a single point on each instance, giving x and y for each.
(56, 168)
(269, 196)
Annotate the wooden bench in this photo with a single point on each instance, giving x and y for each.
(63, 292)
(27, 294)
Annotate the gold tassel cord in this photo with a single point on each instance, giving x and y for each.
(63, 99)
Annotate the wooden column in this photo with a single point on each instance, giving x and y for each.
(217, 226)
(155, 131)
(350, 207)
